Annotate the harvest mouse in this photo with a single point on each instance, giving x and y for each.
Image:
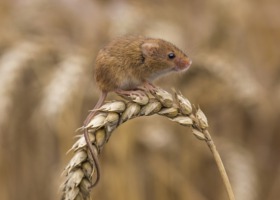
(129, 63)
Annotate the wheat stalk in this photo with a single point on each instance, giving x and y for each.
(80, 170)
(12, 67)
(63, 84)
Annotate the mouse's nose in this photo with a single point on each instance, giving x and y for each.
(188, 63)
(183, 64)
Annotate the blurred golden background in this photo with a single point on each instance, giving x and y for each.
(47, 53)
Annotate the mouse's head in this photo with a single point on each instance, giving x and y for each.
(161, 57)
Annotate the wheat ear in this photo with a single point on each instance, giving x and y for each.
(80, 170)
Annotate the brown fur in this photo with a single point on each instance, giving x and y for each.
(124, 64)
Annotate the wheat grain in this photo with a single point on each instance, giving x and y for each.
(112, 114)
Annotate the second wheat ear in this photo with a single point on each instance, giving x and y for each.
(80, 170)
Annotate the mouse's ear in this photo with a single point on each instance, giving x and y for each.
(149, 48)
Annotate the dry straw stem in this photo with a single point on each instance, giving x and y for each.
(81, 169)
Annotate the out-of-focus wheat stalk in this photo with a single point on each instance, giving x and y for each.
(12, 65)
(80, 170)
(67, 78)
(247, 89)
(242, 169)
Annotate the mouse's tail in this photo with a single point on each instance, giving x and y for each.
(92, 152)
(97, 105)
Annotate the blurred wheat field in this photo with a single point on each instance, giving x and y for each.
(47, 53)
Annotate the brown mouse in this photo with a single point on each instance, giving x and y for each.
(127, 63)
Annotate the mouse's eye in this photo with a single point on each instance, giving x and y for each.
(171, 55)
